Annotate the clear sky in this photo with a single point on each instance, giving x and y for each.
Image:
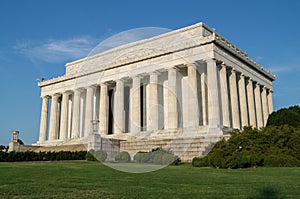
(38, 37)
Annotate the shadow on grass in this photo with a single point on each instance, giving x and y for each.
(266, 193)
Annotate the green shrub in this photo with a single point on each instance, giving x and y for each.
(123, 157)
(200, 162)
(141, 157)
(270, 146)
(157, 156)
(93, 155)
(41, 156)
(100, 155)
(286, 116)
(168, 158)
(281, 161)
(90, 155)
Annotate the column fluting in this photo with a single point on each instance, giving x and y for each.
(193, 112)
(172, 117)
(44, 119)
(243, 101)
(64, 116)
(224, 96)
(104, 108)
(265, 107)
(119, 113)
(259, 114)
(234, 101)
(76, 115)
(213, 94)
(89, 104)
(251, 104)
(53, 117)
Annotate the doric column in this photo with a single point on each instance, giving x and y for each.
(193, 112)
(89, 104)
(44, 119)
(213, 94)
(76, 115)
(53, 117)
(258, 108)
(104, 108)
(152, 109)
(135, 105)
(70, 111)
(270, 101)
(203, 80)
(251, 104)
(234, 100)
(243, 101)
(119, 114)
(224, 96)
(265, 107)
(57, 130)
(64, 116)
(172, 117)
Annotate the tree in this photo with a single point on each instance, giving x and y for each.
(289, 116)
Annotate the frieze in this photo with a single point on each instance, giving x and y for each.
(168, 43)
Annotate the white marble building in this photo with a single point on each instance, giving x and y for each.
(180, 90)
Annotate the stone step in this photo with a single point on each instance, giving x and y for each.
(185, 148)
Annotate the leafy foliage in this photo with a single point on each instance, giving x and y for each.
(157, 156)
(271, 146)
(290, 116)
(93, 155)
(123, 157)
(3, 148)
(41, 156)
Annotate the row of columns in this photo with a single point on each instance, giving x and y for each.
(244, 102)
(223, 97)
(59, 115)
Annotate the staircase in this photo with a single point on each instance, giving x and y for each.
(185, 145)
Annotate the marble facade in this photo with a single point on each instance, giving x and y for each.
(189, 82)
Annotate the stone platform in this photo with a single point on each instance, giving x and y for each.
(185, 148)
(75, 147)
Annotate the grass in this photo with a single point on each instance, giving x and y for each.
(94, 180)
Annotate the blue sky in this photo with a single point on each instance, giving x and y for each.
(37, 38)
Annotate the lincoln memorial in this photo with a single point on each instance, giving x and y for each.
(181, 90)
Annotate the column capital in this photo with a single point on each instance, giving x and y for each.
(56, 96)
(137, 76)
(91, 86)
(210, 60)
(45, 97)
(223, 65)
(193, 64)
(154, 73)
(67, 92)
(232, 70)
(173, 69)
(119, 80)
(103, 84)
(270, 90)
(77, 90)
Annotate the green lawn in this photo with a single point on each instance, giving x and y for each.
(93, 180)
